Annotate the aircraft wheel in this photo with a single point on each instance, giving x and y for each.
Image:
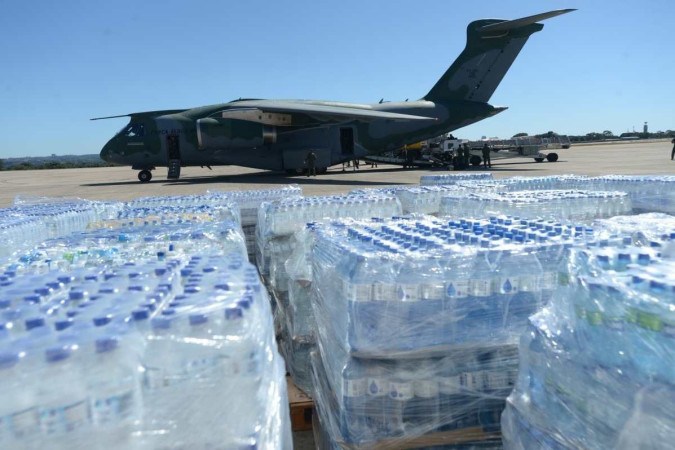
(539, 159)
(144, 176)
(552, 157)
(475, 160)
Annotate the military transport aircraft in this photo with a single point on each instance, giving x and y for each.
(278, 134)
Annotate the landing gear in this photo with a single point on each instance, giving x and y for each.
(539, 159)
(475, 160)
(144, 176)
(552, 157)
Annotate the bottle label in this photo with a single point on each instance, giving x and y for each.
(112, 409)
(377, 387)
(408, 292)
(401, 390)
(497, 379)
(508, 285)
(480, 288)
(457, 289)
(472, 381)
(19, 425)
(549, 280)
(529, 283)
(354, 387)
(426, 388)
(433, 291)
(450, 385)
(357, 292)
(63, 419)
(384, 292)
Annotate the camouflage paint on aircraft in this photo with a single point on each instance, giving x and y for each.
(277, 134)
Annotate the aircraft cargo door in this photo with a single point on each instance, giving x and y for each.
(173, 155)
(347, 140)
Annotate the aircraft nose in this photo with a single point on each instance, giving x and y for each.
(108, 152)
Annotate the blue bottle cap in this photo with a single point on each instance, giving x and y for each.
(76, 295)
(61, 325)
(198, 319)
(161, 323)
(106, 344)
(102, 320)
(56, 354)
(8, 359)
(140, 314)
(233, 313)
(34, 322)
(43, 291)
(32, 298)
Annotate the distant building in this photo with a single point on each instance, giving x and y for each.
(645, 129)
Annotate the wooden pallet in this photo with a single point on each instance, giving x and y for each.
(301, 406)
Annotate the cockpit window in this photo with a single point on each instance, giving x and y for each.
(134, 130)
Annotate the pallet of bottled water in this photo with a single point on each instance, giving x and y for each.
(32, 220)
(142, 333)
(564, 205)
(418, 321)
(454, 399)
(249, 202)
(649, 193)
(284, 243)
(597, 364)
(444, 179)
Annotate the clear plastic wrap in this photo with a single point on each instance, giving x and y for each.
(143, 334)
(447, 178)
(564, 205)
(596, 365)
(418, 322)
(284, 245)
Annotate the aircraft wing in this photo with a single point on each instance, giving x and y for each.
(290, 113)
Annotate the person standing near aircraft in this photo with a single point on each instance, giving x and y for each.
(486, 156)
(466, 156)
(310, 163)
(672, 153)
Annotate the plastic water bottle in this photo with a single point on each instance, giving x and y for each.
(423, 410)
(18, 415)
(113, 385)
(62, 402)
(377, 394)
(353, 408)
(401, 392)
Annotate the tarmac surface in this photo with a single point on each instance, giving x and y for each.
(121, 183)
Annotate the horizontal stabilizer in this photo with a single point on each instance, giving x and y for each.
(144, 113)
(518, 23)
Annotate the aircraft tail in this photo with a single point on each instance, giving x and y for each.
(491, 47)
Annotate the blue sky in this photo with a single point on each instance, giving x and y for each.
(607, 66)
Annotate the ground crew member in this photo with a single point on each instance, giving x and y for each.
(486, 156)
(672, 153)
(310, 163)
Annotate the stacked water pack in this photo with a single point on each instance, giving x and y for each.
(418, 320)
(249, 202)
(33, 220)
(649, 193)
(565, 205)
(277, 243)
(147, 329)
(444, 179)
(597, 364)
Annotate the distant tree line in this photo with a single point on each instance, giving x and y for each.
(608, 135)
(27, 165)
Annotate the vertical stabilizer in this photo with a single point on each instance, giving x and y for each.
(491, 47)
